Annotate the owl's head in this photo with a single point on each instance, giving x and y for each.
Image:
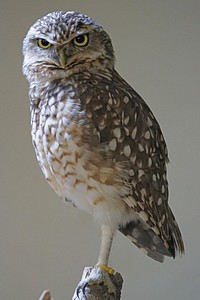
(64, 43)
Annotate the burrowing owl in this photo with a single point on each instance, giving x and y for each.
(96, 140)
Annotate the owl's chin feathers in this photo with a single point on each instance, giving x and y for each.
(49, 70)
(42, 72)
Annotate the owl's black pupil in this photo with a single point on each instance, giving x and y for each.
(80, 39)
(44, 42)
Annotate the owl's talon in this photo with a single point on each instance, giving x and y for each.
(85, 285)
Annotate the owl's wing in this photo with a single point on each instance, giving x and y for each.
(132, 135)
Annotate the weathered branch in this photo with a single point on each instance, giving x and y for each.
(94, 291)
(46, 295)
(98, 291)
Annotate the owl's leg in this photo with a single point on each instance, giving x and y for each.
(101, 274)
(107, 234)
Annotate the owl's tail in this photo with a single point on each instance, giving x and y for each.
(151, 243)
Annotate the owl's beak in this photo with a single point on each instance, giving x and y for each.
(61, 57)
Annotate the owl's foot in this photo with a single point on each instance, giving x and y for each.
(100, 282)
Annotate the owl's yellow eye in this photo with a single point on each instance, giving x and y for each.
(44, 44)
(81, 40)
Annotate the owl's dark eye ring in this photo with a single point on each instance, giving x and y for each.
(81, 40)
(44, 44)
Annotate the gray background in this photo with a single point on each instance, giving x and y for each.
(45, 243)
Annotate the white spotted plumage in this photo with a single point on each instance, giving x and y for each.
(96, 140)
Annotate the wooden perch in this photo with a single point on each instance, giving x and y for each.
(46, 295)
(93, 292)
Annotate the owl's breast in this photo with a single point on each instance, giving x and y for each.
(74, 166)
(57, 142)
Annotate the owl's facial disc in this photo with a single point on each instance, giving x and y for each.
(65, 43)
